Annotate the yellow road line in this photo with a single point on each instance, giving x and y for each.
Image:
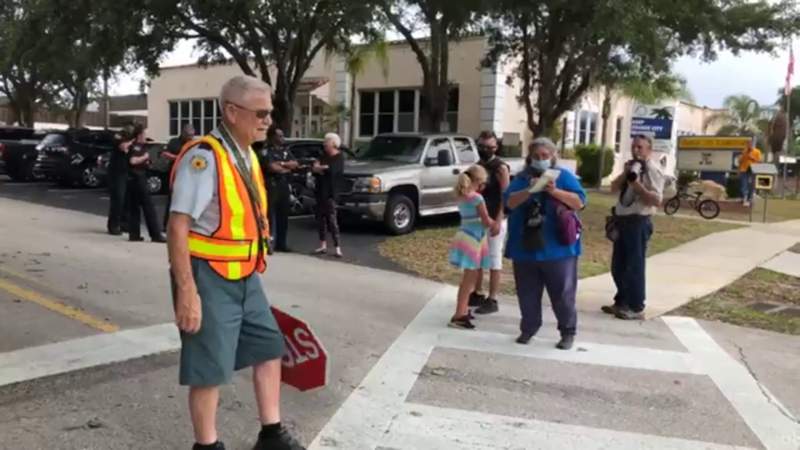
(58, 307)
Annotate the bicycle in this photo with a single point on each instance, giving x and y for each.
(707, 208)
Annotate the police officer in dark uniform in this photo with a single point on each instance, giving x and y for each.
(118, 181)
(138, 198)
(280, 165)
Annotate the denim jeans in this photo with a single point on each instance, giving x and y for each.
(628, 261)
(746, 185)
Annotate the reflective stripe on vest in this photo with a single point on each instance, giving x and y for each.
(232, 250)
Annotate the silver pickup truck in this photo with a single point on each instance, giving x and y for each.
(400, 177)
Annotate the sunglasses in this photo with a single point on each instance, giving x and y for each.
(260, 113)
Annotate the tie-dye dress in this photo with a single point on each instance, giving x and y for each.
(470, 246)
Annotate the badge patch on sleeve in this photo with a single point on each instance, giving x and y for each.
(199, 163)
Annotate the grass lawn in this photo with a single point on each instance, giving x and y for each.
(777, 211)
(739, 302)
(424, 252)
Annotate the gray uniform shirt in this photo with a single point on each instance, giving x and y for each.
(195, 191)
(653, 181)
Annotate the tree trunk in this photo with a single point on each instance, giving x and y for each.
(601, 166)
(353, 111)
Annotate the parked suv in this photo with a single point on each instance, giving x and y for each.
(18, 151)
(70, 157)
(400, 177)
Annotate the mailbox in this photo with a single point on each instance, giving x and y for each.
(765, 175)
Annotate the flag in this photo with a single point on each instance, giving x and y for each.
(789, 72)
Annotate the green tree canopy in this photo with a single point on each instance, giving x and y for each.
(444, 21)
(276, 40)
(562, 48)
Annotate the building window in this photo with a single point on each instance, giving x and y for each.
(203, 114)
(366, 117)
(386, 111)
(406, 111)
(393, 111)
(452, 110)
(587, 128)
(618, 135)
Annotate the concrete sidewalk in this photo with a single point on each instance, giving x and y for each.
(697, 268)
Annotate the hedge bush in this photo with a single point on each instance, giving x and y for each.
(589, 160)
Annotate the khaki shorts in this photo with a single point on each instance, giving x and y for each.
(237, 331)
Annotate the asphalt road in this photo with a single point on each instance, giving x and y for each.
(88, 360)
(359, 240)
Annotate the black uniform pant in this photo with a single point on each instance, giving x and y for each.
(139, 201)
(327, 220)
(117, 190)
(279, 210)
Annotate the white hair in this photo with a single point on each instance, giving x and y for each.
(334, 138)
(235, 89)
(544, 142)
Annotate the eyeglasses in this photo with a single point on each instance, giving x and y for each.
(260, 113)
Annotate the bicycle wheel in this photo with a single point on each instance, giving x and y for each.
(709, 209)
(672, 206)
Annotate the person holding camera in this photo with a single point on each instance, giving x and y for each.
(640, 188)
(543, 241)
(138, 198)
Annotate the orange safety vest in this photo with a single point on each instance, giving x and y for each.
(232, 250)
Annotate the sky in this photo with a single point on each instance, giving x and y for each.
(758, 75)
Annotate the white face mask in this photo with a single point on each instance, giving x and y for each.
(541, 164)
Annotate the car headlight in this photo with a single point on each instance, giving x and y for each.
(371, 185)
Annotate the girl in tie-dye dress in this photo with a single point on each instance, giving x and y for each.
(469, 250)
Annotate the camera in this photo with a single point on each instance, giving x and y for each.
(635, 169)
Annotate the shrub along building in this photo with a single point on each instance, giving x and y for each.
(388, 99)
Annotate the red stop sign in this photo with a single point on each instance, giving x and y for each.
(305, 364)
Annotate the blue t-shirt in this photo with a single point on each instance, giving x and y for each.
(553, 250)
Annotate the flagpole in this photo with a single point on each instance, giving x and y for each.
(788, 91)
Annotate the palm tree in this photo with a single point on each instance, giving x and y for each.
(742, 116)
(356, 60)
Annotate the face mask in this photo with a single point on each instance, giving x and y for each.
(485, 153)
(541, 164)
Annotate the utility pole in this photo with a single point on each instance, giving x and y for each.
(106, 102)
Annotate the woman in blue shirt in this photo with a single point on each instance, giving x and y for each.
(540, 260)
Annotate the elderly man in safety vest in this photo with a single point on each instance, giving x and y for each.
(217, 237)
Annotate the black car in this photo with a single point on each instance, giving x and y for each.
(70, 157)
(157, 173)
(18, 151)
(301, 182)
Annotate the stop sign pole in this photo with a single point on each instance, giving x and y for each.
(305, 364)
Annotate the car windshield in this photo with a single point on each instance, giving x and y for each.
(406, 149)
(53, 140)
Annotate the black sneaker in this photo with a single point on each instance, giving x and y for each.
(218, 446)
(566, 342)
(476, 300)
(488, 307)
(610, 309)
(524, 338)
(281, 441)
(136, 239)
(627, 314)
(462, 323)
(115, 232)
(159, 238)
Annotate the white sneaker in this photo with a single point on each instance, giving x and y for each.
(746, 204)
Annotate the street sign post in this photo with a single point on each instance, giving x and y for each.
(305, 364)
